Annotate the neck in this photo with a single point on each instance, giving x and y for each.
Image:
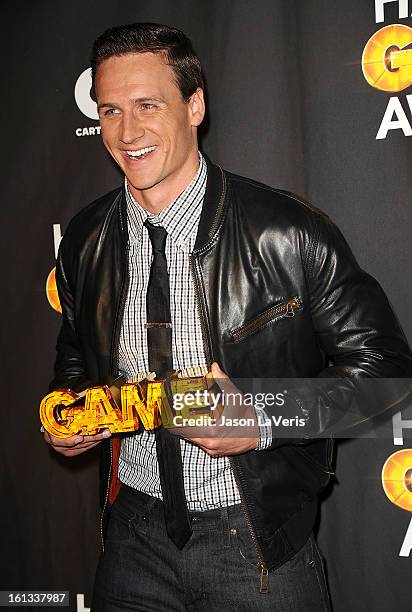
(158, 197)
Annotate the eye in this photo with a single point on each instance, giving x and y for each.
(111, 111)
(148, 106)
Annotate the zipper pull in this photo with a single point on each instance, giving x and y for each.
(289, 309)
(264, 578)
(291, 305)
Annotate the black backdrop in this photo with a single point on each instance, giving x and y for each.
(288, 105)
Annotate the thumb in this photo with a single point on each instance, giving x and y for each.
(231, 406)
(222, 379)
(217, 372)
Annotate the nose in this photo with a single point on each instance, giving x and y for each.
(131, 128)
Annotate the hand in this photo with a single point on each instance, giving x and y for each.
(75, 445)
(220, 440)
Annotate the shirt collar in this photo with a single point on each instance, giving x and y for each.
(180, 218)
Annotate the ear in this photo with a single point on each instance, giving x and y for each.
(196, 107)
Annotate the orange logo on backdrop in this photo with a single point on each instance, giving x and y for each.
(51, 291)
(397, 478)
(386, 62)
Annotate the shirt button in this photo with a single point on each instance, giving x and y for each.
(232, 531)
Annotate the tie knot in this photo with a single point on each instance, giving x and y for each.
(157, 236)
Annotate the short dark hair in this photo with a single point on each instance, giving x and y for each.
(151, 38)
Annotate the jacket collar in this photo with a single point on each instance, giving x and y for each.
(213, 205)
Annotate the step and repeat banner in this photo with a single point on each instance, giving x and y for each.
(312, 96)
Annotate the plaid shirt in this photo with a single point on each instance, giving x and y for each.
(209, 482)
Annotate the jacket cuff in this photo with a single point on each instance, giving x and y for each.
(265, 430)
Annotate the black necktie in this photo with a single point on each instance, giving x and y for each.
(159, 341)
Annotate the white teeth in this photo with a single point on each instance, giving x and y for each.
(140, 152)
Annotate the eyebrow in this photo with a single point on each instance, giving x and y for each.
(135, 101)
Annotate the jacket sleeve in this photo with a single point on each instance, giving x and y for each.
(69, 368)
(360, 336)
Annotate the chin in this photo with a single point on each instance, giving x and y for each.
(140, 185)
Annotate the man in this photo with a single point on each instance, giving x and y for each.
(193, 268)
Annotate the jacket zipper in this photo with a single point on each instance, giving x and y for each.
(264, 571)
(287, 309)
(107, 495)
(262, 565)
(116, 335)
(115, 370)
(207, 347)
(207, 344)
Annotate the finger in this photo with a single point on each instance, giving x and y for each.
(226, 447)
(212, 452)
(232, 402)
(196, 432)
(77, 450)
(207, 444)
(217, 371)
(106, 433)
(87, 444)
(65, 442)
(222, 379)
(78, 439)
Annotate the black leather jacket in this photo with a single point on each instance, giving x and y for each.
(256, 249)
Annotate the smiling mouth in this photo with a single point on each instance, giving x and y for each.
(140, 153)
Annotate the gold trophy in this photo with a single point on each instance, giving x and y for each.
(124, 407)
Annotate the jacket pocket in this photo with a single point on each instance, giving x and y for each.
(274, 313)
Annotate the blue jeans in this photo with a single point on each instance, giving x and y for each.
(141, 569)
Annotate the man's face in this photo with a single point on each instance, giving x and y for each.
(147, 127)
